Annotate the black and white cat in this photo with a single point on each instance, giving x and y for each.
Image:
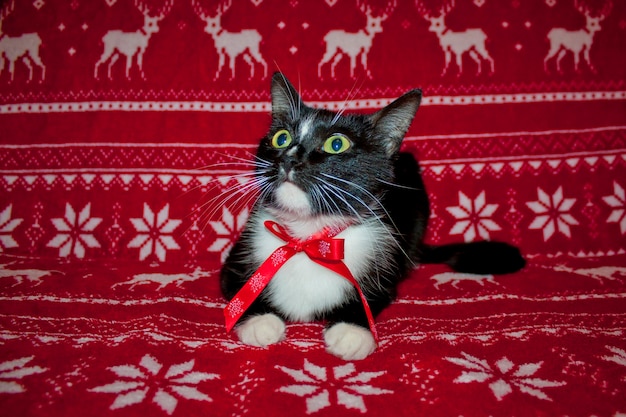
(317, 169)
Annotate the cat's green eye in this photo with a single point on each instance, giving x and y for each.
(281, 139)
(336, 144)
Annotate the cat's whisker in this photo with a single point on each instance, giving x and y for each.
(360, 188)
(217, 179)
(212, 183)
(249, 190)
(299, 92)
(355, 198)
(225, 196)
(327, 199)
(228, 168)
(337, 191)
(378, 203)
(292, 100)
(319, 200)
(241, 162)
(352, 93)
(404, 187)
(210, 212)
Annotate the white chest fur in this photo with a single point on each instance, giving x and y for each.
(301, 288)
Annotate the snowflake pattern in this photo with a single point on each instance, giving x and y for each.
(154, 233)
(7, 226)
(324, 248)
(473, 217)
(257, 282)
(504, 376)
(75, 232)
(617, 202)
(227, 230)
(279, 257)
(321, 386)
(552, 213)
(11, 371)
(235, 307)
(150, 380)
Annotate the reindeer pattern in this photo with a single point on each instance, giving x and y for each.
(21, 275)
(455, 278)
(132, 45)
(600, 274)
(163, 280)
(342, 48)
(578, 42)
(24, 47)
(340, 43)
(245, 43)
(469, 41)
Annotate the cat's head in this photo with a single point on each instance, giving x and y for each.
(318, 162)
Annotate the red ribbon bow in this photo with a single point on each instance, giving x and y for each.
(321, 248)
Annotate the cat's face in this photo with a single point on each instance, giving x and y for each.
(317, 162)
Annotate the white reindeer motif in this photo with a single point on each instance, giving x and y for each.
(470, 41)
(33, 276)
(578, 42)
(232, 44)
(164, 279)
(131, 44)
(457, 277)
(340, 43)
(600, 274)
(24, 47)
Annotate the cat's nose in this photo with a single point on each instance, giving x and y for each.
(288, 165)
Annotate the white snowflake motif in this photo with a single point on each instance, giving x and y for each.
(227, 230)
(617, 202)
(75, 232)
(7, 226)
(347, 387)
(154, 233)
(235, 307)
(473, 217)
(324, 248)
(552, 213)
(257, 282)
(11, 371)
(279, 257)
(150, 381)
(504, 376)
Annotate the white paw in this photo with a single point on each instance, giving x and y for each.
(261, 330)
(349, 341)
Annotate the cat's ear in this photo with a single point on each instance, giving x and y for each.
(393, 121)
(286, 101)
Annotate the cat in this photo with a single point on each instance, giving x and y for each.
(318, 169)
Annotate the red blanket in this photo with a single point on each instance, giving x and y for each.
(123, 128)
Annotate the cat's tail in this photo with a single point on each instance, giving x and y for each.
(475, 257)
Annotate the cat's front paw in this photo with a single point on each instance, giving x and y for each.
(349, 341)
(261, 331)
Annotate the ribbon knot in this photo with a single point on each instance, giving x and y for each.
(322, 248)
(322, 245)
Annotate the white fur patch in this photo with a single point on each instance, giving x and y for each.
(261, 331)
(305, 127)
(349, 342)
(292, 198)
(301, 289)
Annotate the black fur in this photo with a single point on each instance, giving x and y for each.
(383, 184)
